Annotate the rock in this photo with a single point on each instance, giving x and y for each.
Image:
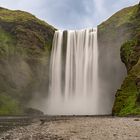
(114, 135)
(42, 121)
(62, 130)
(136, 119)
(33, 112)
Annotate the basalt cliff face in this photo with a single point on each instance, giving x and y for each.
(25, 45)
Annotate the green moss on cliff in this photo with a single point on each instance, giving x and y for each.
(6, 42)
(127, 102)
(18, 16)
(28, 31)
(25, 44)
(122, 26)
(129, 54)
(123, 29)
(122, 17)
(126, 98)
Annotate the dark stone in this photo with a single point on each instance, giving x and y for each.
(136, 119)
(138, 82)
(33, 112)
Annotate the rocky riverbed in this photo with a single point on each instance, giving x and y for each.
(77, 128)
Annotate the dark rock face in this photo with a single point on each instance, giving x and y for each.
(138, 82)
(25, 45)
(138, 89)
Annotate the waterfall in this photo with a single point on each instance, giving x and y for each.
(73, 87)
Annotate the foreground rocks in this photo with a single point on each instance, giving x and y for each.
(78, 128)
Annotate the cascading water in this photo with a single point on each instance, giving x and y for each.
(74, 73)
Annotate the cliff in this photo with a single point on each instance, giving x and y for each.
(122, 29)
(128, 96)
(25, 44)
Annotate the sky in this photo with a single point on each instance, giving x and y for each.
(70, 14)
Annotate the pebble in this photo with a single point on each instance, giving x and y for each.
(87, 128)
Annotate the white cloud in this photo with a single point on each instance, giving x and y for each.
(100, 7)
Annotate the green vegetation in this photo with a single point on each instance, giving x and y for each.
(129, 53)
(120, 18)
(6, 43)
(9, 105)
(25, 44)
(17, 16)
(123, 30)
(121, 27)
(30, 33)
(127, 98)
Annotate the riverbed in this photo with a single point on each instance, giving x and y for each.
(77, 128)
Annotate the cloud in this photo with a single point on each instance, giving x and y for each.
(70, 14)
(100, 7)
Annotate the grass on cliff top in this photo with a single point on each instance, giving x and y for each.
(19, 16)
(122, 17)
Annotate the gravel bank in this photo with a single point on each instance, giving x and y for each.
(78, 128)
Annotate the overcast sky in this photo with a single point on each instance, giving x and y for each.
(70, 14)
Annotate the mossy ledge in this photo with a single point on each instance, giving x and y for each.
(25, 45)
